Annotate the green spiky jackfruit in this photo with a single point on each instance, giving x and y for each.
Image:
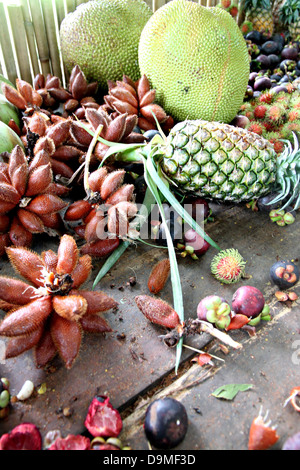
(102, 37)
(197, 60)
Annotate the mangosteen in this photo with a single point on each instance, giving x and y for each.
(194, 244)
(269, 47)
(289, 52)
(214, 309)
(262, 83)
(150, 134)
(284, 274)
(278, 89)
(249, 92)
(252, 77)
(275, 77)
(273, 60)
(280, 41)
(284, 79)
(264, 203)
(292, 443)
(240, 120)
(254, 36)
(166, 423)
(298, 64)
(264, 61)
(287, 65)
(248, 300)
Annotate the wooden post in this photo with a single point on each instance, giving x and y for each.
(41, 37)
(19, 36)
(52, 37)
(30, 37)
(6, 47)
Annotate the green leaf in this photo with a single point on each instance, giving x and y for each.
(229, 391)
(176, 205)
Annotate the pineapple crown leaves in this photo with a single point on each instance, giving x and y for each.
(290, 12)
(255, 4)
(288, 174)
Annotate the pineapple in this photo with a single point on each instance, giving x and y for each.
(259, 13)
(276, 6)
(290, 17)
(220, 161)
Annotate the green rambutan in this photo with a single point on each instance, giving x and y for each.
(228, 266)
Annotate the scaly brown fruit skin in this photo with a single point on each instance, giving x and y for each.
(29, 199)
(49, 314)
(157, 311)
(136, 98)
(104, 218)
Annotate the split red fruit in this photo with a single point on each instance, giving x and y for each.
(25, 436)
(102, 418)
(71, 442)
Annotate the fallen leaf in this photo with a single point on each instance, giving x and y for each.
(229, 391)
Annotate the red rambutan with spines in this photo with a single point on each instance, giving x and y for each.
(260, 111)
(256, 127)
(276, 113)
(266, 97)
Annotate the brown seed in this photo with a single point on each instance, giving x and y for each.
(159, 276)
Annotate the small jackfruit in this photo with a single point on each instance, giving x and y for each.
(102, 37)
(197, 60)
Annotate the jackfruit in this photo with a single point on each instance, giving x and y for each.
(197, 60)
(102, 37)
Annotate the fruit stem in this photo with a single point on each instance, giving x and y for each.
(88, 159)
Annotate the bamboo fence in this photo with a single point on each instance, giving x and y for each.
(29, 36)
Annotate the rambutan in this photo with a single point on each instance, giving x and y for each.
(266, 97)
(269, 126)
(256, 127)
(276, 113)
(259, 111)
(275, 139)
(233, 10)
(228, 266)
(288, 128)
(293, 115)
(225, 3)
(246, 27)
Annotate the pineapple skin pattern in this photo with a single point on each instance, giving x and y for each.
(219, 161)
